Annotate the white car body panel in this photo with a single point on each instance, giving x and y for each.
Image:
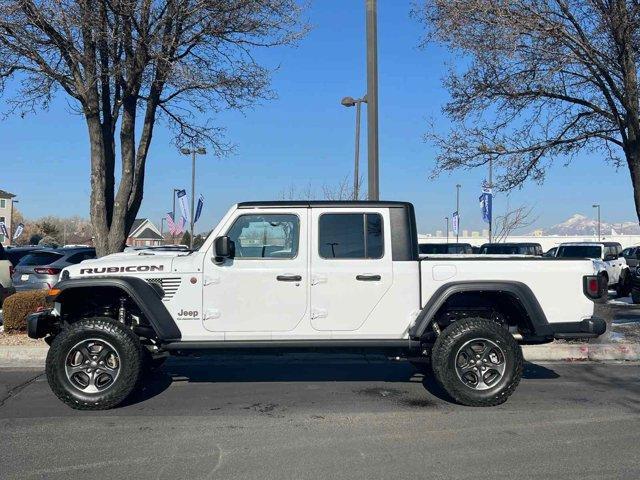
(240, 299)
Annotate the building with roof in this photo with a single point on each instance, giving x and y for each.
(144, 233)
(6, 214)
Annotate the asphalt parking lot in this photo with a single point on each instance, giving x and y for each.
(306, 416)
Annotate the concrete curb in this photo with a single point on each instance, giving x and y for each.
(23, 356)
(34, 356)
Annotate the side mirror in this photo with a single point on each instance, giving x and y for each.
(223, 247)
(610, 256)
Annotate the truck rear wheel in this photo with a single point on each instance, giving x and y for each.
(94, 364)
(477, 362)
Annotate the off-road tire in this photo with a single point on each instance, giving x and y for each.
(444, 357)
(623, 288)
(129, 352)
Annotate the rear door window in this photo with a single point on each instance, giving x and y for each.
(351, 235)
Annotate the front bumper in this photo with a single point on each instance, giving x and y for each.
(40, 324)
(587, 328)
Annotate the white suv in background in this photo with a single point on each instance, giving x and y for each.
(607, 258)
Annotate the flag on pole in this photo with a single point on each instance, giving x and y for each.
(455, 221)
(19, 230)
(171, 224)
(3, 230)
(486, 204)
(181, 225)
(199, 208)
(182, 198)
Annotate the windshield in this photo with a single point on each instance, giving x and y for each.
(579, 251)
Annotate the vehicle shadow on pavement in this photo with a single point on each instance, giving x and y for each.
(283, 369)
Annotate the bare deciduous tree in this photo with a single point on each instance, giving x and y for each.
(125, 64)
(541, 78)
(512, 220)
(342, 190)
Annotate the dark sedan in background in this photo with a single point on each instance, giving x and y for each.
(41, 269)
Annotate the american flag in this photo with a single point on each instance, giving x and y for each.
(173, 228)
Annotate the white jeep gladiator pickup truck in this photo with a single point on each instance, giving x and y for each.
(311, 275)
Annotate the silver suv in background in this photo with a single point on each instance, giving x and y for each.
(41, 269)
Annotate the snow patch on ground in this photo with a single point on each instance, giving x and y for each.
(621, 301)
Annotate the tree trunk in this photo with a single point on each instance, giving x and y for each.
(632, 151)
(98, 210)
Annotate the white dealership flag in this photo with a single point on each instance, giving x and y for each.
(19, 230)
(455, 222)
(182, 198)
(3, 230)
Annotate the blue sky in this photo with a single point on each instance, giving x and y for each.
(306, 137)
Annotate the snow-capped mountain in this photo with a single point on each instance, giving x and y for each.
(581, 225)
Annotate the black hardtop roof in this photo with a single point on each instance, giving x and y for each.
(594, 242)
(453, 244)
(324, 203)
(511, 244)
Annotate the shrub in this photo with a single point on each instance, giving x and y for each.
(18, 306)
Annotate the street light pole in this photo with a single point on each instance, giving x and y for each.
(447, 220)
(372, 99)
(458, 212)
(193, 152)
(173, 212)
(491, 190)
(11, 228)
(597, 205)
(350, 102)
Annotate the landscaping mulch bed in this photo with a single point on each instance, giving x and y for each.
(19, 339)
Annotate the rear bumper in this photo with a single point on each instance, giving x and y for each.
(40, 324)
(28, 286)
(587, 328)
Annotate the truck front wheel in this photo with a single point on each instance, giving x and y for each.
(94, 364)
(477, 362)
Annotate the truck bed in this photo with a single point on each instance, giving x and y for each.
(550, 279)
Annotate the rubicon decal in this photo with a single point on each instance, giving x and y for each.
(127, 269)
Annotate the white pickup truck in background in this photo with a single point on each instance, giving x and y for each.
(607, 259)
(312, 275)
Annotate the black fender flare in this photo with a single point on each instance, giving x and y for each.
(144, 295)
(520, 291)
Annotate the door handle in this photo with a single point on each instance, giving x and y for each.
(368, 278)
(289, 278)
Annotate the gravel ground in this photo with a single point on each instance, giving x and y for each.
(18, 339)
(623, 321)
